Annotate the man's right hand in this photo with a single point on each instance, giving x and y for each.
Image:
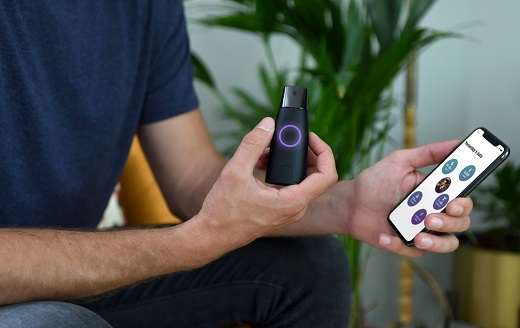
(240, 208)
(46, 264)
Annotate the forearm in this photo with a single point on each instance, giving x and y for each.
(325, 215)
(40, 264)
(195, 186)
(183, 159)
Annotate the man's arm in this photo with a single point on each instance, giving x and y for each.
(56, 264)
(46, 264)
(183, 159)
(186, 170)
(39, 264)
(358, 207)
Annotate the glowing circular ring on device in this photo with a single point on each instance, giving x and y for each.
(293, 144)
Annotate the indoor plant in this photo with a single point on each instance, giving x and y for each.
(487, 265)
(500, 204)
(350, 53)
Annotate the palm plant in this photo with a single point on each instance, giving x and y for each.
(350, 53)
(500, 202)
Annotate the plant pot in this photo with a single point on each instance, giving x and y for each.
(486, 286)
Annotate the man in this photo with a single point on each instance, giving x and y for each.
(77, 81)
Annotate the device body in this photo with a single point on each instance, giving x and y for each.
(287, 163)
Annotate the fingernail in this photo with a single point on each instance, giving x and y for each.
(267, 124)
(384, 240)
(426, 242)
(435, 223)
(457, 210)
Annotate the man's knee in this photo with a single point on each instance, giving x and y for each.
(315, 273)
(323, 265)
(317, 265)
(49, 314)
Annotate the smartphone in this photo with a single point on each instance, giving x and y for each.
(461, 172)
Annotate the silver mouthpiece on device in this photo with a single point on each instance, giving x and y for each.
(295, 97)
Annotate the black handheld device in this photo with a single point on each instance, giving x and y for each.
(287, 163)
(459, 173)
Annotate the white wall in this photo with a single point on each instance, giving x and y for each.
(463, 83)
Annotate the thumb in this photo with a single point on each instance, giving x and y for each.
(433, 153)
(253, 145)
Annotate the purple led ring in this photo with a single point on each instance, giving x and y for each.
(290, 145)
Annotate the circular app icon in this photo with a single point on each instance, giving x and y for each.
(467, 173)
(442, 185)
(450, 166)
(418, 216)
(414, 198)
(441, 201)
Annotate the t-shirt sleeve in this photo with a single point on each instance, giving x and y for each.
(170, 89)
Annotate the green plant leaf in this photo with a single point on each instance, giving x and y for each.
(418, 8)
(201, 72)
(384, 18)
(354, 34)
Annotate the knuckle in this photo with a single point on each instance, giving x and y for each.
(230, 175)
(460, 225)
(332, 177)
(252, 139)
(450, 247)
(335, 176)
(466, 224)
(328, 149)
(456, 225)
(449, 244)
(396, 155)
(415, 255)
(291, 211)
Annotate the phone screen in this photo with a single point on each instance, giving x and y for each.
(456, 176)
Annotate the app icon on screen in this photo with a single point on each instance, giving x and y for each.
(418, 216)
(467, 173)
(443, 185)
(414, 198)
(450, 166)
(441, 201)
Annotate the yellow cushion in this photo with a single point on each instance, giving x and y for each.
(141, 199)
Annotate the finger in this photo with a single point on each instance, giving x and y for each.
(456, 218)
(264, 158)
(396, 245)
(311, 158)
(442, 222)
(261, 164)
(311, 162)
(325, 174)
(442, 243)
(430, 154)
(461, 206)
(253, 145)
(323, 158)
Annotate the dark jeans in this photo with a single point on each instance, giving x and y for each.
(273, 282)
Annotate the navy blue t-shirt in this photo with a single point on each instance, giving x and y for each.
(76, 80)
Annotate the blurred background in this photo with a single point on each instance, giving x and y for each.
(463, 83)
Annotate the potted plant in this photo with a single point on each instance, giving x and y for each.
(350, 52)
(487, 265)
